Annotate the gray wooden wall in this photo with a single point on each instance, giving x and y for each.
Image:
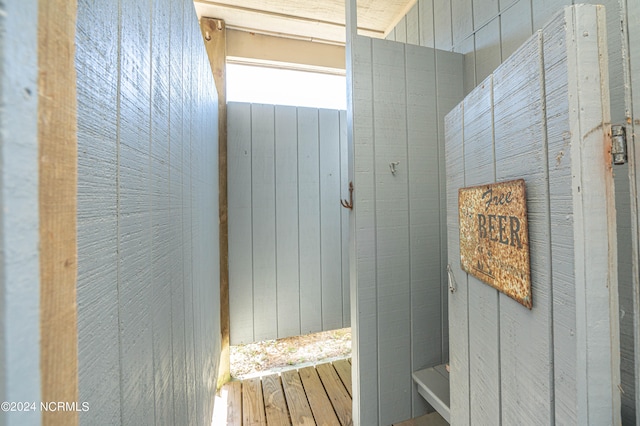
(633, 100)
(487, 32)
(148, 279)
(400, 94)
(19, 232)
(288, 234)
(532, 119)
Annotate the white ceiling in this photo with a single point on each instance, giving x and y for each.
(312, 20)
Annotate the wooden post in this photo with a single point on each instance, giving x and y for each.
(215, 40)
(57, 145)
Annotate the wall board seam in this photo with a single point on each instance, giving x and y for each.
(497, 293)
(253, 307)
(409, 251)
(443, 289)
(480, 26)
(464, 174)
(150, 192)
(275, 216)
(320, 218)
(545, 159)
(298, 215)
(118, 211)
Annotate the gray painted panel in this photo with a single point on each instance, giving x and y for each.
(344, 220)
(362, 233)
(413, 26)
(97, 288)
(187, 246)
(160, 220)
(449, 74)
(391, 35)
(484, 11)
(632, 99)
(287, 232)
(442, 24)
(526, 343)
(147, 164)
(467, 47)
(264, 222)
(240, 235)
(309, 217)
(392, 229)
(400, 34)
(424, 213)
(425, 21)
(484, 307)
(462, 19)
(458, 299)
(330, 212)
(515, 27)
(303, 230)
(175, 194)
(134, 233)
(516, 21)
(562, 261)
(554, 342)
(487, 50)
(398, 219)
(545, 10)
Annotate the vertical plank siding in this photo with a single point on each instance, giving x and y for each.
(240, 225)
(519, 109)
(424, 169)
(263, 212)
(288, 233)
(559, 357)
(400, 273)
(484, 302)
(148, 305)
(97, 87)
(309, 221)
(487, 34)
(287, 265)
(632, 78)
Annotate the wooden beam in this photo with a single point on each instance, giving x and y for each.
(214, 33)
(57, 140)
(260, 49)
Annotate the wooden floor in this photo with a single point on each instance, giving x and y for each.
(319, 395)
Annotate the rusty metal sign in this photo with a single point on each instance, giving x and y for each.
(494, 238)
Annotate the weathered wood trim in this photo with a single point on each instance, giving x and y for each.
(598, 356)
(215, 40)
(57, 136)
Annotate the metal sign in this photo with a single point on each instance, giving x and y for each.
(494, 238)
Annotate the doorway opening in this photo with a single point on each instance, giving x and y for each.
(277, 355)
(288, 232)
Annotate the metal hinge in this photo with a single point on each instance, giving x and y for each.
(618, 144)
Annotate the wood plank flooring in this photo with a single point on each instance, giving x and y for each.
(310, 396)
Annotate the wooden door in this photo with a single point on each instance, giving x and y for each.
(542, 116)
